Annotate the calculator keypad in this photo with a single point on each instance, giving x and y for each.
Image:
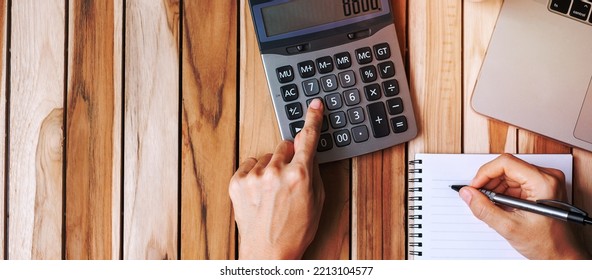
(365, 106)
(340, 105)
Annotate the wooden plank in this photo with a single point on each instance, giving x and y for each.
(333, 237)
(3, 24)
(394, 162)
(91, 132)
(259, 134)
(435, 43)
(582, 196)
(378, 211)
(151, 130)
(209, 128)
(481, 134)
(532, 143)
(36, 136)
(116, 199)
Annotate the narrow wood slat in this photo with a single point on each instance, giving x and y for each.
(36, 136)
(3, 24)
(208, 128)
(116, 199)
(532, 143)
(394, 186)
(91, 131)
(378, 214)
(151, 130)
(259, 134)
(332, 241)
(435, 43)
(582, 196)
(481, 134)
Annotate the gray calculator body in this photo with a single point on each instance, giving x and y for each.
(353, 64)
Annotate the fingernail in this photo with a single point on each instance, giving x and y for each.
(315, 104)
(466, 195)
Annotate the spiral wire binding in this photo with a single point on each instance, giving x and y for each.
(414, 218)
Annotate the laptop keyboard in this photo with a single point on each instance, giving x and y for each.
(575, 9)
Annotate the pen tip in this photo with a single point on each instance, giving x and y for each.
(457, 187)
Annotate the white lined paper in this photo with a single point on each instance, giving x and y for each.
(449, 229)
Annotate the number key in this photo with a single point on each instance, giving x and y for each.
(333, 101)
(347, 79)
(325, 143)
(311, 87)
(342, 138)
(329, 83)
(356, 115)
(352, 97)
(338, 120)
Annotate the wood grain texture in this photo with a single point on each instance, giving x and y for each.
(116, 199)
(36, 136)
(378, 213)
(582, 196)
(532, 143)
(481, 134)
(208, 128)
(332, 241)
(259, 134)
(3, 99)
(90, 130)
(435, 43)
(151, 130)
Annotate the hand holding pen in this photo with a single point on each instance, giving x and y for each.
(534, 235)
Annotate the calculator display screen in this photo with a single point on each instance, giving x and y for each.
(281, 19)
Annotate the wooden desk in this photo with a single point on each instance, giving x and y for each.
(123, 122)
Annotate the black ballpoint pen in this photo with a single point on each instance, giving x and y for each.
(572, 213)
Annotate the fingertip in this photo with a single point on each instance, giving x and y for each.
(465, 195)
(316, 104)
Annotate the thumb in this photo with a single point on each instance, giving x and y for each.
(484, 209)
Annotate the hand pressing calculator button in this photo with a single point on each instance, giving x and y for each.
(351, 62)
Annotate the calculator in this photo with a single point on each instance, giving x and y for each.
(346, 53)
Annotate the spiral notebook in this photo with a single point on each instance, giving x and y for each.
(441, 225)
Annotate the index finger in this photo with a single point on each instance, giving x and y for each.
(305, 144)
(505, 165)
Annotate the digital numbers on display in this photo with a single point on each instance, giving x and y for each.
(354, 7)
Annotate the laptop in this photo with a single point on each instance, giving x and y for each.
(537, 72)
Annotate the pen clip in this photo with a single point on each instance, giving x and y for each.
(570, 208)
